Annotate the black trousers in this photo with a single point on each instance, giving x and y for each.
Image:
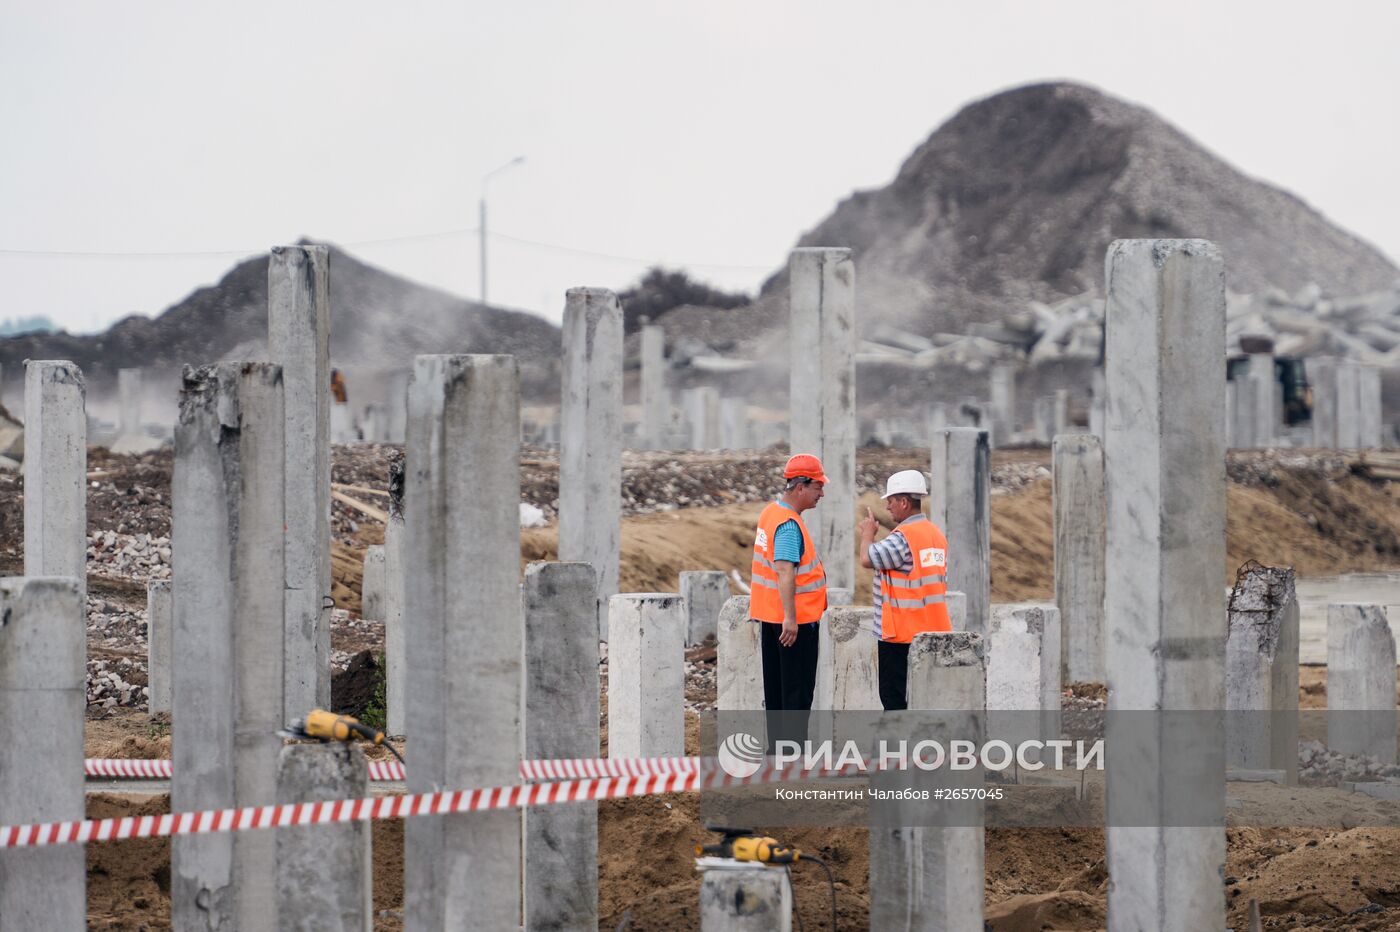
(789, 680)
(893, 661)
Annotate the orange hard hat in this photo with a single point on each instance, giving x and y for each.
(806, 466)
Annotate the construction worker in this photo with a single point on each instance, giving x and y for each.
(788, 597)
(339, 395)
(910, 582)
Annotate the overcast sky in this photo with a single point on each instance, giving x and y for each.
(705, 135)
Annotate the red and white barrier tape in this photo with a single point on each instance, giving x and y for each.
(531, 771)
(127, 769)
(706, 776)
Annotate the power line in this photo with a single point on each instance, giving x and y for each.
(604, 255)
(383, 241)
(189, 254)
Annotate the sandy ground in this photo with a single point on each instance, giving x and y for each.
(1308, 878)
(1303, 878)
(1045, 878)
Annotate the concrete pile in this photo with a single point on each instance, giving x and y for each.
(590, 447)
(41, 741)
(228, 538)
(464, 641)
(1165, 432)
(1261, 672)
(131, 434)
(822, 373)
(298, 340)
(560, 713)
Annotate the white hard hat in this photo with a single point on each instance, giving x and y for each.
(906, 482)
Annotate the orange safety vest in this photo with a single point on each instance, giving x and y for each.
(914, 602)
(764, 602)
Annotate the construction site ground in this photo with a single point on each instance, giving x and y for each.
(1310, 510)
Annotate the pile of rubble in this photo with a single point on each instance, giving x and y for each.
(129, 493)
(1318, 765)
(885, 346)
(130, 556)
(701, 687)
(1364, 328)
(1013, 477)
(112, 683)
(351, 635)
(117, 667)
(113, 628)
(1264, 467)
(1068, 329)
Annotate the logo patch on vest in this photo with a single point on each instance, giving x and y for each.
(760, 542)
(933, 556)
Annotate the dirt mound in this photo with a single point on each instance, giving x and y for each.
(1057, 910)
(1315, 879)
(378, 320)
(353, 689)
(128, 882)
(113, 743)
(1036, 878)
(1018, 196)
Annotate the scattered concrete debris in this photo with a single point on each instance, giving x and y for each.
(120, 682)
(1363, 328)
(140, 557)
(1321, 766)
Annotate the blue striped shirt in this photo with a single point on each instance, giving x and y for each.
(892, 553)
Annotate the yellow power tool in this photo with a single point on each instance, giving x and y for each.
(328, 726)
(743, 844)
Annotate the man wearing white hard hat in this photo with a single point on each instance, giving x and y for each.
(910, 587)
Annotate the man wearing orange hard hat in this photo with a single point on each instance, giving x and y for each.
(788, 597)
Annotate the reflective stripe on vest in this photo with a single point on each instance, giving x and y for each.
(892, 582)
(915, 602)
(765, 603)
(768, 564)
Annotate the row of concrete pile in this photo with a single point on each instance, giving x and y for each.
(491, 671)
(250, 500)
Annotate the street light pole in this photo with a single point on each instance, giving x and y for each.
(481, 224)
